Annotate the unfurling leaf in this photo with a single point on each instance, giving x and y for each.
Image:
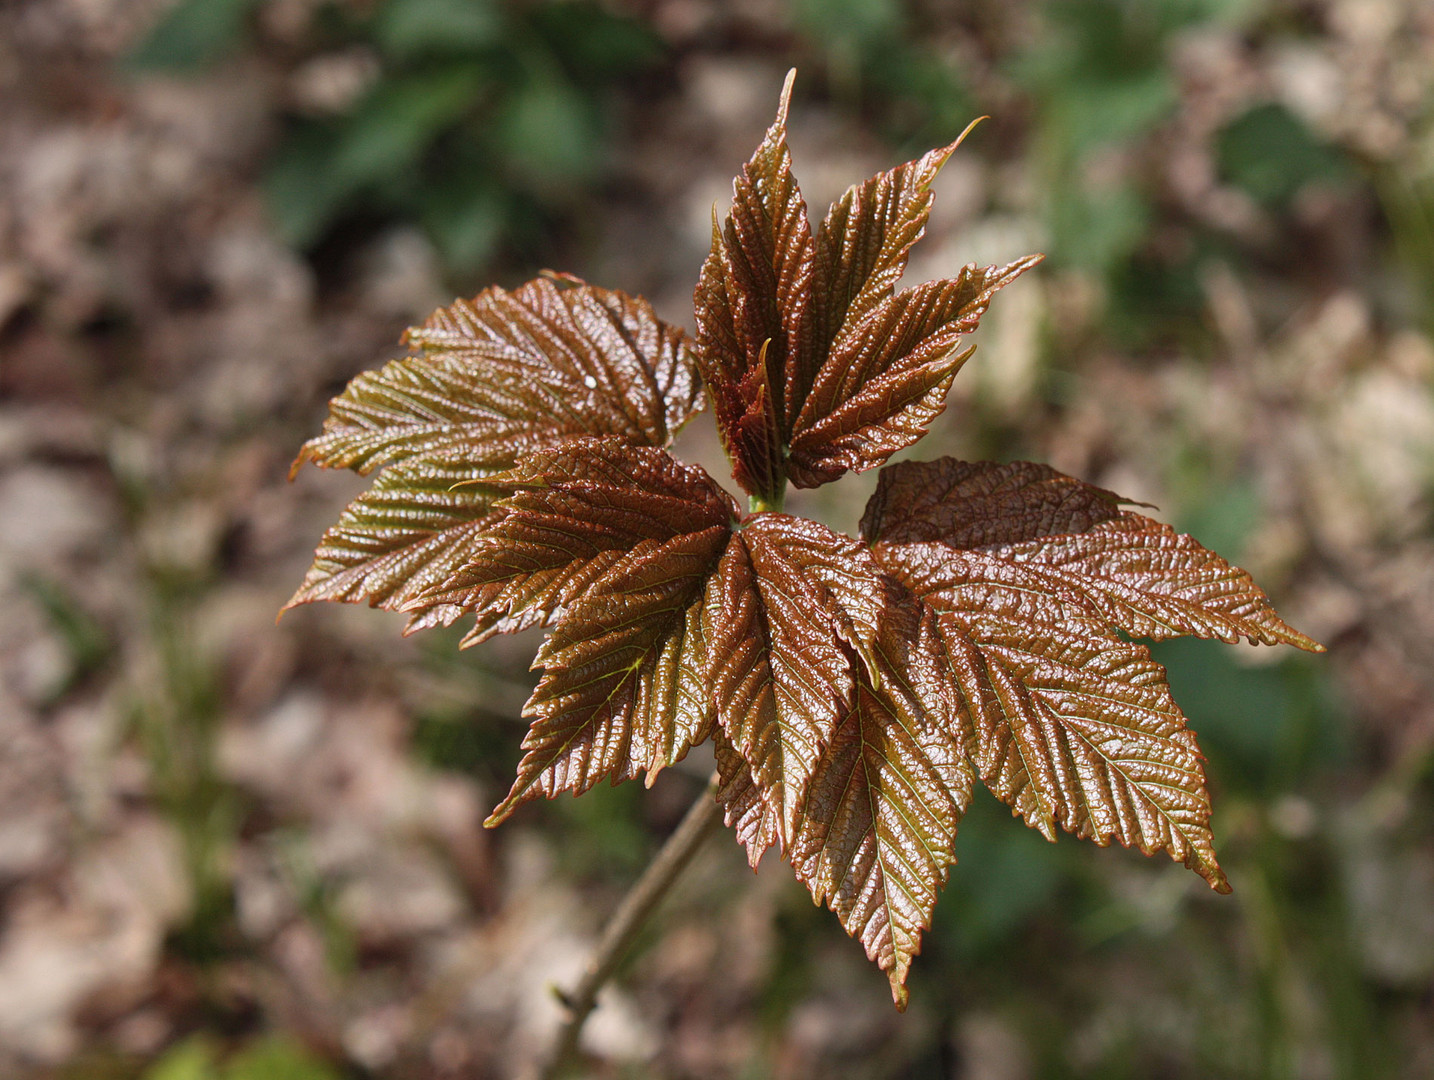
(754, 312)
(854, 690)
(814, 366)
(886, 376)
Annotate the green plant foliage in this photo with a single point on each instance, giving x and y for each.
(874, 54)
(854, 689)
(1099, 79)
(485, 119)
(1270, 154)
(194, 33)
(266, 1059)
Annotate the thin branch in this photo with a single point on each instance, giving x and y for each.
(617, 937)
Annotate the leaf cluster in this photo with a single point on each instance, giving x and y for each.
(854, 690)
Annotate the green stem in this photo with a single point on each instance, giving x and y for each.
(758, 504)
(700, 821)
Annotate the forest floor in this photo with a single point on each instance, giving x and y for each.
(221, 836)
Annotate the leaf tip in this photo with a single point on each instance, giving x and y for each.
(900, 996)
(504, 810)
(786, 99)
(305, 454)
(299, 598)
(499, 815)
(968, 129)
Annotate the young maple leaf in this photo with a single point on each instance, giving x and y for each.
(854, 690)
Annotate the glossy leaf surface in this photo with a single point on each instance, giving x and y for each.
(854, 691)
(792, 609)
(814, 366)
(1030, 573)
(1136, 573)
(507, 372)
(878, 828)
(570, 514)
(754, 311)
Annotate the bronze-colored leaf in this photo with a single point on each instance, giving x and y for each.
(971, 504)
(507, 372)
(409, 533)
(854, 690)
(814, 366)
(569, 513)
(1031, 574)
(862, 244)
(623, 688)
(783, 626)
(744, 805)
(754, 310)
(879, 822)
(1134, 572)
(888, 372)
(1153, 582)
(1073, 726)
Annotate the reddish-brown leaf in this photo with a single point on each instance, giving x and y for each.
(862, 244)
(879, 822)
(624, 683)
(1031, 573)
(1133, 572)
(570, 512)
(753, 308)
(744, 805)
(970, 504)
(887, 374)
(792, 608)
(407, 534)
(1153, 582)
(1073, 726)
(814, 366)
(508, 372)
(853, 690)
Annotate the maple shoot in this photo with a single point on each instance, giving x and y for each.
(854, 690)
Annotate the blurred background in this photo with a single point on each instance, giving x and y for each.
(231, 850)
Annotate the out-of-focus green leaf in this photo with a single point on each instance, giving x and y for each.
(268, 1059)
(84, 637)
(278, 1059)
(299, 185)
(1091, 113)
(320, 169)
(850, 29)
(1267, 727)
(192, 1059)
(391, 127)
(1001, 880)
(193, 33)
(466, 219)
(1270, 154)
(409, 28)
(550, 133)
(592, 44)
(1097, 229)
